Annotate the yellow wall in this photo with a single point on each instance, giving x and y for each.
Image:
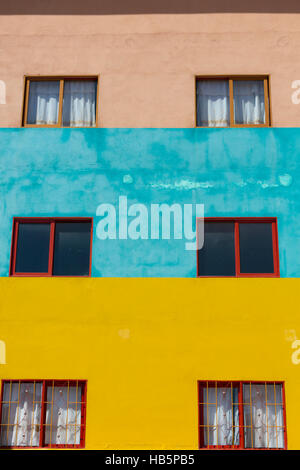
(142, 344)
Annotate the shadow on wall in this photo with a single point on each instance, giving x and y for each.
(135, 7)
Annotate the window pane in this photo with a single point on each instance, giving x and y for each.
(220, 416)
(43, 102)
(264, 425)
(32, 248)
(256, 248)
(63, 415)
(249, 101)
(79, 104)
(72, 249)
(22, 411)
(213, 103)
(217, 257)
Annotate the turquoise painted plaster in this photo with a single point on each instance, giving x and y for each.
(233, 172)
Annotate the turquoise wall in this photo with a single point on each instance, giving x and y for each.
(233, 172)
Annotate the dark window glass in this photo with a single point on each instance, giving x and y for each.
(72, 249)
(33, 248)
(217, 257)
(256, 248)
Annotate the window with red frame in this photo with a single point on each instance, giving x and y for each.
(242, 415)
(51, 247)
(43, 413)
(238, 247)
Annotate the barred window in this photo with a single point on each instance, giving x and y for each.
(43, 413)
(242, 415)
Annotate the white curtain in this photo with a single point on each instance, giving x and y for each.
(249, 101)
(221, 415)
(263, 416)
(23, 414)
(213, 103)
(63, 415)
(79, 104)
(43, 103)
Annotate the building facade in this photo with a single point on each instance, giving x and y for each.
(127, 321)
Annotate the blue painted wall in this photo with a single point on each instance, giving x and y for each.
(234, 172)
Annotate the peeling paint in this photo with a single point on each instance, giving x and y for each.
(285, 180)
(183, 185)
(267, 184)
(127, 179)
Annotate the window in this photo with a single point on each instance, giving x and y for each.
(43, 413)
(239, 247)
(60, 102)
(51, 247)
(233, 101)
(242, 415)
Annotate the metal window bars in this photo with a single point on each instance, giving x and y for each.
(242, 415)
(42, 413)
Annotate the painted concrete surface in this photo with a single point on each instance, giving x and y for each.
(142, 345)
(148, 63)
(233, 172)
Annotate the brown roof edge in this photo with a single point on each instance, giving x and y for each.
(136, 7)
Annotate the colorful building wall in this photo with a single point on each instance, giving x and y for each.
(143, 329)
(233, 172)
(149, 62)
(142, 344)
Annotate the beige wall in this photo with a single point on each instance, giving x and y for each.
(147, 63)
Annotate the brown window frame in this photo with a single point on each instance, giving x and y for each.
(231, 79)
(61, 79)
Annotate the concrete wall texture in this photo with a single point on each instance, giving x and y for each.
(234, 173)
(148, 63)
(143, 330)
(142, 345)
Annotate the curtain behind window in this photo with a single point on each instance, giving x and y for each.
(249, 101)
(264, 419)
(63, 415)
(221, 413)
(43, 103)
(213, 103)
(23, 414)
(79, 103)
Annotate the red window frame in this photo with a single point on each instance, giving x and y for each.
(239, 384)
(237, 221)
(51, 221)
(45, 384)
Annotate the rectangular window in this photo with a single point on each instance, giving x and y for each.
(241, 415)
(232, 102)
(51, 247)
(239, 247)
(43, 413)
(60, 102)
